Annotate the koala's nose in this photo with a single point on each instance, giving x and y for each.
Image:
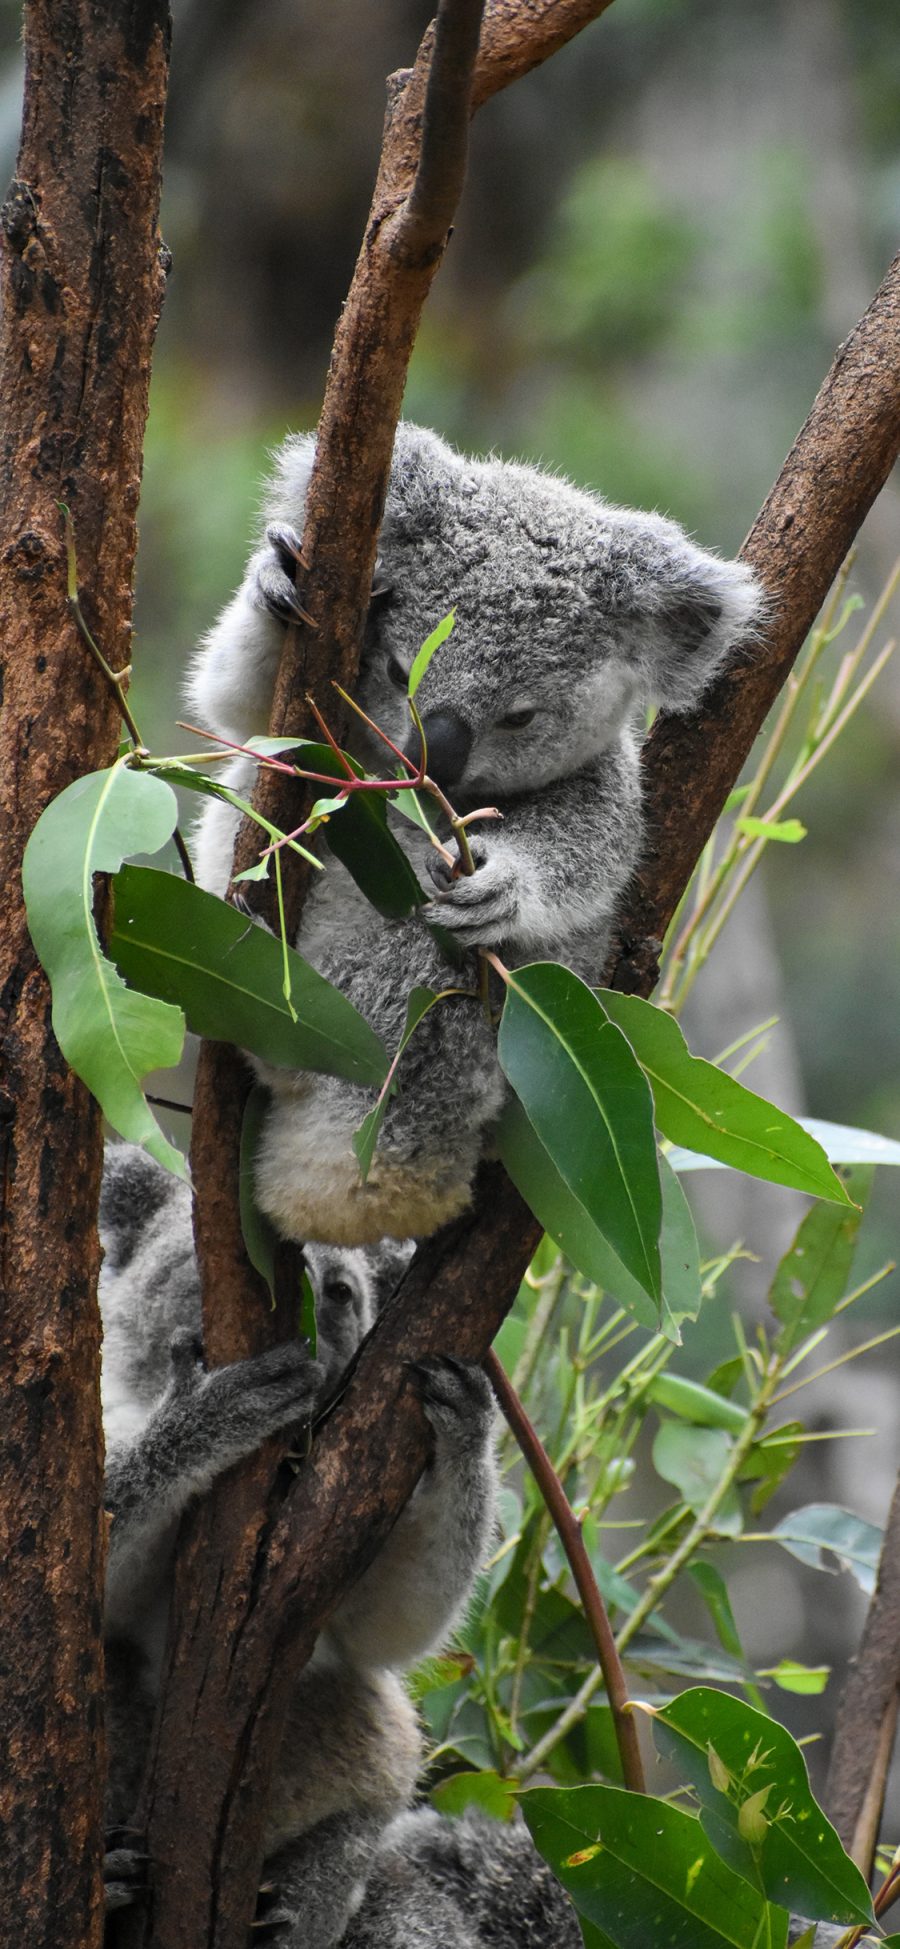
(449, 742)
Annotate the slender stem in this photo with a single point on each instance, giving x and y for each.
(568, 1530)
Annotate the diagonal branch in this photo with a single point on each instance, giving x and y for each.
(431, 204)
(867, 1714)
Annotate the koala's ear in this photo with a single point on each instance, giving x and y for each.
(710, 609)
(678, 611)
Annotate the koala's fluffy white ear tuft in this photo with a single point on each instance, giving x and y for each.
(705, 608)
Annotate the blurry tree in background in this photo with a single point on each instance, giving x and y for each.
(664, 233)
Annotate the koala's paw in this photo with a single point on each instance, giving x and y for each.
(456, 1396)
(273, 1922)
(255, 1398)
(479, 908)
(276, 573)
(125, 1878)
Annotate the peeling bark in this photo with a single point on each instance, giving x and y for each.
(81, 289)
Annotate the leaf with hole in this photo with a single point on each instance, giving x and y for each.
(797, 1860)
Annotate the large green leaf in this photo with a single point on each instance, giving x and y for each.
(807, 1533)
(798, 1859)
(586, 1097)
(109, 1035)
(812, 1276)
(562, 1215)
(706, 1110)
(694, 1460)
(175, 941)
(645, 1873)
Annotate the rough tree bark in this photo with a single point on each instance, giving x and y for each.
(867, 1713)
(82, 285)
(244, 1634)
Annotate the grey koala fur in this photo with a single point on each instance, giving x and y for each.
(571, 615)
(472, 1883)
(350, 1749)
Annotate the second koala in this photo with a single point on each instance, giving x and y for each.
(571, 617)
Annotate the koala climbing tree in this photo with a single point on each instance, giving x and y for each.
(796, 557)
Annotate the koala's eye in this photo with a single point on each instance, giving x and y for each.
(339, 1291)
(517, 720)
(396, 672)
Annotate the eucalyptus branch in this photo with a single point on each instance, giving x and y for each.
(422, 224)
(568, 1530)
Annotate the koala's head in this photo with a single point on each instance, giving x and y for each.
(571, 615)
(350, 1287)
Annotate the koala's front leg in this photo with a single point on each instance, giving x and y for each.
(312, 1887)
(205, 1422)
(409, 1599)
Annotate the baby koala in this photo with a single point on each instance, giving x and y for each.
(571, 617)
(351, 1747)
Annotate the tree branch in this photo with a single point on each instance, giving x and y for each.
(252, 1598)
(568, 1530)
(422, 225)
(867, 1714)
(82, 286)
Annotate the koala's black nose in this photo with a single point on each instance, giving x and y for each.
(449, 742)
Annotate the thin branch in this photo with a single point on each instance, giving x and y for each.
(568, 1530)
(423, 223)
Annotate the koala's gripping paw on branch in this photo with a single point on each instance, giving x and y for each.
(254, 1398)
(276, 570)
(457, 1399)
(479, 908)
(125, 1878)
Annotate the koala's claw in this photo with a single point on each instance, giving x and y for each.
(270, 1392)
(276, 573)
(454, 1393)
(446, 875)
(271, 1921)
(125, 1878)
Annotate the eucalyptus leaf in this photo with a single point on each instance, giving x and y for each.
(423, 658)
(109, 1035)
(486, 1790)
(706, 1110)
(822, 1526)
(175, 941)
(260, 1236)
(587, 1099)
(798, 1859)
(694, 1459)
(841, 1142)
(812, 1277)
(645, 1873)
(419, 1001)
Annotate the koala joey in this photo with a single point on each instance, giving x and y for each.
(571, 616)
(471, 1883)
(351, 1749)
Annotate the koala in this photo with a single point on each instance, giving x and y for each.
(571, 616)
(351, 1747)
(473, 1883)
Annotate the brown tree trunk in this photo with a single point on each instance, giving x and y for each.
(81, 290)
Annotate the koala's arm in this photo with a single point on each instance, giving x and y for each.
(552, 870)
(203, 1424)
(407, 1602)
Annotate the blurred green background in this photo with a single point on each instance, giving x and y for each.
(666, 232)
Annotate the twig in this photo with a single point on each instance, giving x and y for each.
(423, 223)
(568, 1530)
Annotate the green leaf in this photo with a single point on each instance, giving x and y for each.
(798, 1860)
(308, 1326)
(770, 1460)
(694, 1459)
(487, 1790)
(585, 1096)
(691, 1402)
(644, 1872)
(175, 941)
(706, 1110)
(812, 1276)
(212, 788)
(419, 1001)
(714, 1591)
(807, 1533)
(110, 1036)
(562, 1215)
(260, 1236)
(841, 1143)
(679, 1255)
(433, 642)
(790, 831)
(790, 1676)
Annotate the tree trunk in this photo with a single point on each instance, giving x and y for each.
(82, 285)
